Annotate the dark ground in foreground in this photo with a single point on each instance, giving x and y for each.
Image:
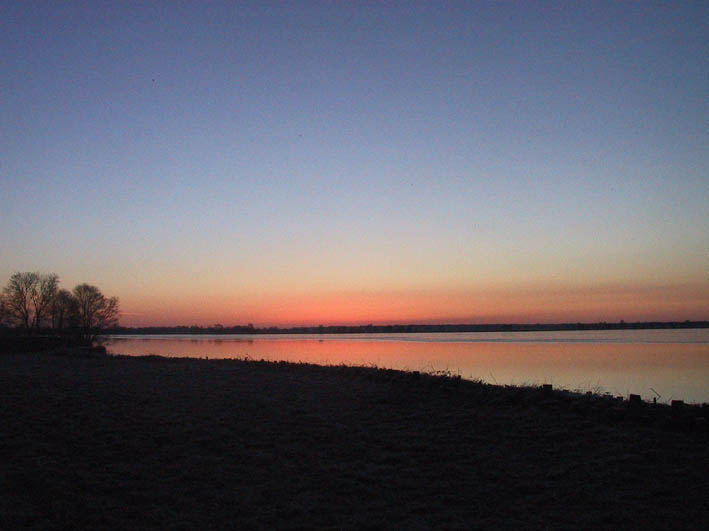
(190, 444)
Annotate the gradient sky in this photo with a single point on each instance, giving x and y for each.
(305, 162)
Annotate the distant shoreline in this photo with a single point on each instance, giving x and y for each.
(407, 328)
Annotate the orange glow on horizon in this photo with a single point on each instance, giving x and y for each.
(675, 303)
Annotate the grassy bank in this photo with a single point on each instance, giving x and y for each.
(182, 443)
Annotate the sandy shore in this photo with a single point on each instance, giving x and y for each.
(121, 442)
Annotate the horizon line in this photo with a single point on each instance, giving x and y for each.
(218, 326)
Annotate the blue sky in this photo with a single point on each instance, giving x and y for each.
(254, 151)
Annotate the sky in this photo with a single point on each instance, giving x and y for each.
(285, 163)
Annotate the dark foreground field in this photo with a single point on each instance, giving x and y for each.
(195, 444)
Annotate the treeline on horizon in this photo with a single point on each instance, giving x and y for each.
(402, 329)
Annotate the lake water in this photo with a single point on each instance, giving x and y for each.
(668, 364)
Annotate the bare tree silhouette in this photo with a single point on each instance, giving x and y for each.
(64, 310)
(28, 297)
(95, 310)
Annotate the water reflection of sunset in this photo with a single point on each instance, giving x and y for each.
(672, 369)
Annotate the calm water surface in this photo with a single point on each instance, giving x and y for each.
(673, 364)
